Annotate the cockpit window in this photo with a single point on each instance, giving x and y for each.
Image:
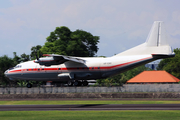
(17, 66)
(11, 68)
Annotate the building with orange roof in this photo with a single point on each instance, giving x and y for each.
(153, 77)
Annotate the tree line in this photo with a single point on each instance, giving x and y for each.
(171, 65)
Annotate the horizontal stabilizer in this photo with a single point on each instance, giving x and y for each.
(160, 56)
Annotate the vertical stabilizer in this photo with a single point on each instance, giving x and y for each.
(157, 35)
(156, 42)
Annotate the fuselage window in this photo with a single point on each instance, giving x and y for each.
(32, 69)
(27, 69)
(59, 68)
(42, 68)
(92, 67)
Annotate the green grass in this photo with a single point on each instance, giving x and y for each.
(90, 115)
(71, 102)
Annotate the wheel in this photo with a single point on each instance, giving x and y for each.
(70, 83)
(76, 83)
(85, 83)
(29, 85)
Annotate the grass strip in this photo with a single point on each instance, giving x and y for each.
(89, 115)
(72, 102)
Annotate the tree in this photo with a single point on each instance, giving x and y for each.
(171, 65)
(122, 77)
(35, 50)
(65, 42)
(5, 63)
(25, 57)
(16, 59)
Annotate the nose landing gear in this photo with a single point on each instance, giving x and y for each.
(29, 85)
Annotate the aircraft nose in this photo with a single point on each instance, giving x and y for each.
(6, 72)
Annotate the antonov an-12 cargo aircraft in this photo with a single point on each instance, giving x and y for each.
(75, 69)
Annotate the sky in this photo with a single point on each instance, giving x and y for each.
(121, 24)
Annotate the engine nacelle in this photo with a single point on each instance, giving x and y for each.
(48, 61)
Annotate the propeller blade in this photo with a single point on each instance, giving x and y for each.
(37, 56)
(40, 55)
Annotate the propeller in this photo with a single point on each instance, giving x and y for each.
(40, 55)
(37, 56)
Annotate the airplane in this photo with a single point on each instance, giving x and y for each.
(55, 67)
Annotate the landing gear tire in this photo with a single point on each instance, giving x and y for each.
(70, 83)
(85, 83)
(76, 83)
(29, 85)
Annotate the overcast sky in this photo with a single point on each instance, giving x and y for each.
(121, 24)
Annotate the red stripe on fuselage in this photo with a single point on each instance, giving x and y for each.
(77, 68)
(15, 71)
(110, 67)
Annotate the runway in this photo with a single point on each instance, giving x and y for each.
(90, 107)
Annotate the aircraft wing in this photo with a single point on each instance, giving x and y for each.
(65, 58)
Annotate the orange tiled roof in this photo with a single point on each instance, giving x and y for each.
(153, 77)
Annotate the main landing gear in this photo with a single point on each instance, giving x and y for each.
(85, 83)
(70, 83)
(77, 83)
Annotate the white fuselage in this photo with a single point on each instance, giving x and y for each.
(94, 68)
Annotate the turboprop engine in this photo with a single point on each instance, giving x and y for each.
(48, 61)
(53, 59)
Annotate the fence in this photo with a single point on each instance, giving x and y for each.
(117, 89)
